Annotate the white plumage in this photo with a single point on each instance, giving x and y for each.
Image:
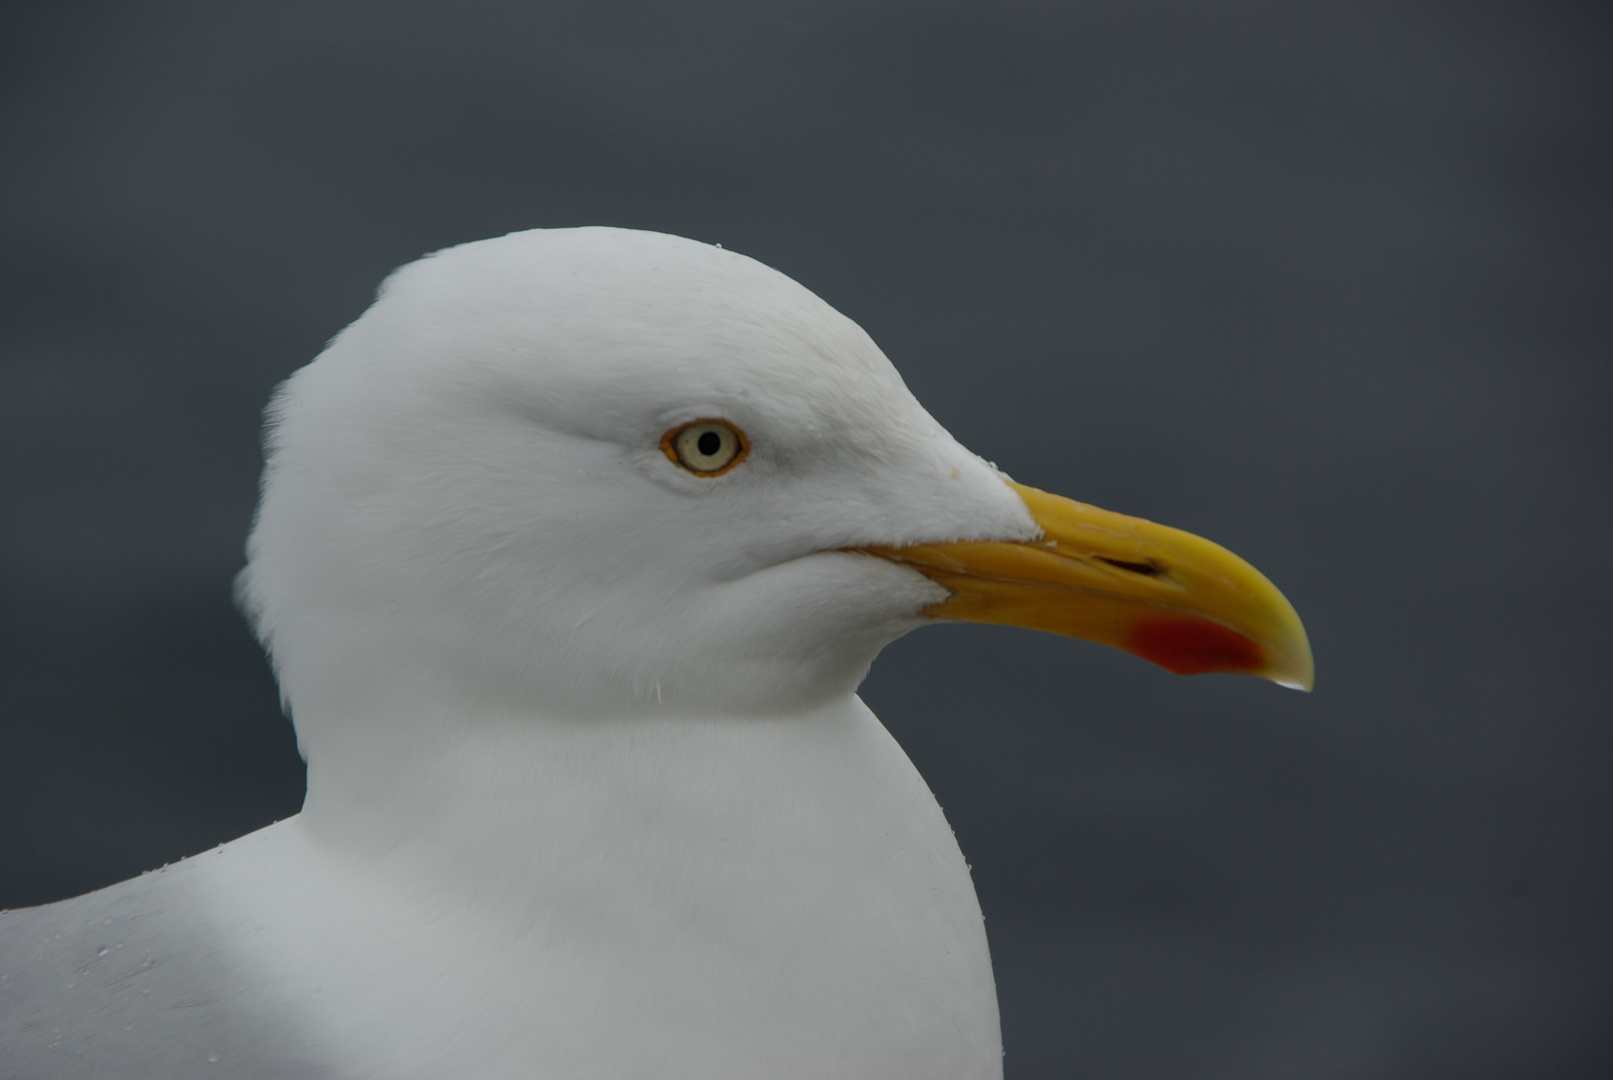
(590, 793)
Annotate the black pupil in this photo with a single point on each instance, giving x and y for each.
(709, 443)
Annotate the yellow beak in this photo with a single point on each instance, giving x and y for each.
(1168, 596)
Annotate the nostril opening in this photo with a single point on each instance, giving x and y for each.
(1146, 569)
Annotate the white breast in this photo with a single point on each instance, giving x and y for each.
(677, 898)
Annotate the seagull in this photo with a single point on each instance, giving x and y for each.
(571, 554)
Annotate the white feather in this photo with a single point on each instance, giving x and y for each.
(589, 790)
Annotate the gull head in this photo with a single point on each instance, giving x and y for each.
(472, 486)
(581, 472)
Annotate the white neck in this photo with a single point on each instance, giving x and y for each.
(761, 887)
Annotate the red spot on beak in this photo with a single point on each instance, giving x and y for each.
(1189, 646)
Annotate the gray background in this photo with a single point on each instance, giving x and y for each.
(1328, 284)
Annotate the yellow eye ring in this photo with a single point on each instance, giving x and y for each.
(706, 447)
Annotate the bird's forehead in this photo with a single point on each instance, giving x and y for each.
(637, 327)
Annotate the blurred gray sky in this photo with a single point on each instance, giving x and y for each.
(1328, 284)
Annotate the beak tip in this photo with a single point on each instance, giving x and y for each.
(1300, 673)
(1189, 645)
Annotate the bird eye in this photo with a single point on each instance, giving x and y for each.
(705, 447)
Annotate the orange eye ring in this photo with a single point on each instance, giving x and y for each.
(706, 447)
